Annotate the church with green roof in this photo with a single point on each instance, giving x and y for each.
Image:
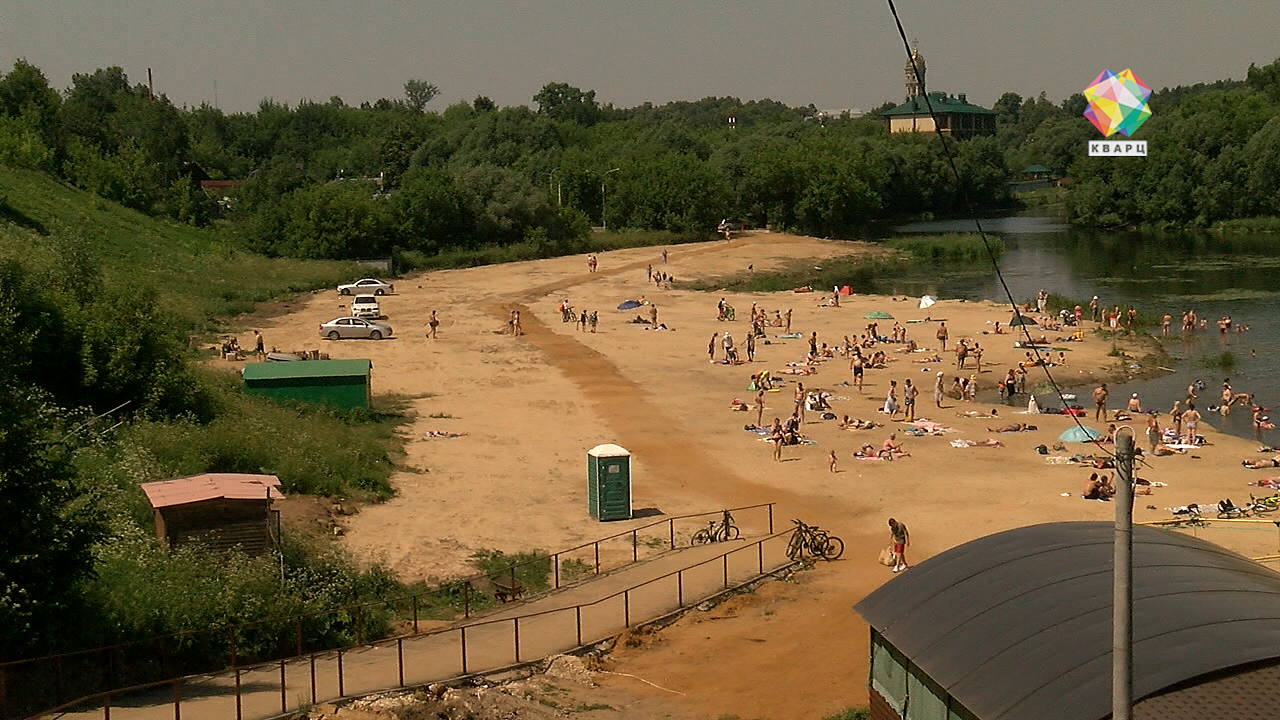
(956, 115)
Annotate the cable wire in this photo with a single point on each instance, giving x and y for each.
(973, 214)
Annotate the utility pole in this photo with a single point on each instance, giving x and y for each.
(603, 222)
(1122, 597)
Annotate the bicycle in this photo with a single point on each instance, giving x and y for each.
(1264, 505)
(1191, 517)
(815, 541)
(1228, 510)
(721, 531)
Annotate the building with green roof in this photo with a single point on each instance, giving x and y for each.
(342, 383)
(956, 116)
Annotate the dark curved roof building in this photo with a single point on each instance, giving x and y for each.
(1017, 626)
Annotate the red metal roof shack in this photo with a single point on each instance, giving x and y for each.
(218, 510)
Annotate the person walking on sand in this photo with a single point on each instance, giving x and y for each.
(799, 400)
(1100, 402)
(788, 321)
(759, 407)
(664, 256)
(900, 539)
(909, 394)
(938, 389)
(432, 323)
(858, 366)
(751, 347)
(832, 462)
(653, 316)
(1153, 432)
(775, 436)
(259, 345)
(977, 356)
(711, 347)
(942, 336)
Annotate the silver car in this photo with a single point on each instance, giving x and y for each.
(367, 286)
(353, 327)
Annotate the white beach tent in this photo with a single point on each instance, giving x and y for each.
(927, 301)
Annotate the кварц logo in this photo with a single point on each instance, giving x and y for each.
(1117, 104)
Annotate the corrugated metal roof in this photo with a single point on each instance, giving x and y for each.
(1238, 694)
(307, 369)
(942, 103)
(210, 486)
(1017, 625)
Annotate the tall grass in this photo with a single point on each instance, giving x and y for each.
(950, 248)
(200, 275)
(1248, 225)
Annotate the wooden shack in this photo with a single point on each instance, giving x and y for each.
(217, 510)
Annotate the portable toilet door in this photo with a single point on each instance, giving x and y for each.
(609, 482)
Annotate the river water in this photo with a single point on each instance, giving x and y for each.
(1236, 275)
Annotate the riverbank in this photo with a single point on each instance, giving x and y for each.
(526, 409)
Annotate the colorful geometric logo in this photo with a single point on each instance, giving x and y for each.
(1117, 103)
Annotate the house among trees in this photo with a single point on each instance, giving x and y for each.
(217, 510)
(957, 117)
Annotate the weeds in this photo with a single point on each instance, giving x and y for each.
(1225, 360)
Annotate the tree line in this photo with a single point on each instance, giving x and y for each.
(329, 180)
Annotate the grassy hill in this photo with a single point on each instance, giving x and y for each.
(200, 274)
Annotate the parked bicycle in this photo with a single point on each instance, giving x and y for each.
(1228, 510)
(815, 541)
(1263, 505)
(717, 531)
(1188, 517)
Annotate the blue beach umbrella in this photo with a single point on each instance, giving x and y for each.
(1079, 433)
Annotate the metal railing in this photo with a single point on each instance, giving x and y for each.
(469, 647)
(33, 685)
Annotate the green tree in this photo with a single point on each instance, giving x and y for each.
(1265, 80)
(49, 527)
(1007, 108)
(417, 93)
(563, 102)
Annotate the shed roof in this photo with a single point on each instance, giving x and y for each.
(1018, 624)
(942, 104)
(307, 369)
(211, 486)
(609, 450)
(1037, 169)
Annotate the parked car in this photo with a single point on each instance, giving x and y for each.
(366, 306)
(353, 327)
(367, 285)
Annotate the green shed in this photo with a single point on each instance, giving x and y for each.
(342, 383)
(609, 482)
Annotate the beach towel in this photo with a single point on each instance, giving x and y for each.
(790, 336)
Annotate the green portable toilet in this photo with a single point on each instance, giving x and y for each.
(609, 482)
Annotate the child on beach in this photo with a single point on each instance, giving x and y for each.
(831, 462)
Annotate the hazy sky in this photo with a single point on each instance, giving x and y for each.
(832, 53)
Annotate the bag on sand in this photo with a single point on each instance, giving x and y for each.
(886, 557)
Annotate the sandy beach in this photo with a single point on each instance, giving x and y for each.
(528, 408)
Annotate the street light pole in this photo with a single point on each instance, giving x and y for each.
(603, 204)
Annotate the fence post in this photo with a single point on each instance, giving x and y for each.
(464, 649)
(341, 690)
(57, 688)
(597, 545)
(359, 624)
(671, 530)
(770, 518)
(284, 698)
(555, 562)
(106, 704)
(516, 632)
(466, 600)
(232, 633)
(177, 700)
(578, 612)
(725, 558)
(415, 614)
(760, 553)
(313, 678)
(680, 588)
(635, 547)
(297, 631)
(400, 658)
(626, 608)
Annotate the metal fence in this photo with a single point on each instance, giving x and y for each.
(484, 644)
(35, 685)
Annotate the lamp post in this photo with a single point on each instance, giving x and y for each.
(603, 204)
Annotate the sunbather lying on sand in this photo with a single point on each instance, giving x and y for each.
(1015, 427)
(1262, 463)
(979, 414)
(442, 434)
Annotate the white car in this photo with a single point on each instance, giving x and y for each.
(366, 286)
(353, 327)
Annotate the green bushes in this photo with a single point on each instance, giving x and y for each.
(952, 247)
(537, 247)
